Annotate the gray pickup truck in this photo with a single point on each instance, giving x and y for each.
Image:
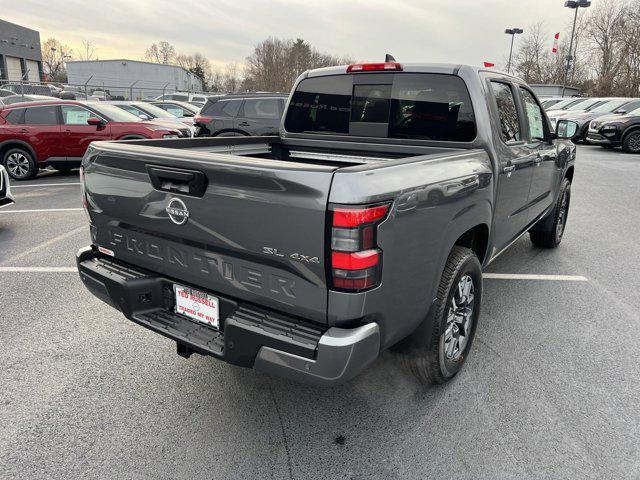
(363, 226)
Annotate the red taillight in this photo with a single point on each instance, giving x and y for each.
(374, 67)
(355, 259)
(202, 119)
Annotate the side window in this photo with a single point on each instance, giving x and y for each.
(535, 116)
(198, 99)
(231, 107)
(510, 126)
(16, 116)
(177, 96)
(41, 115)
(261, 108)
(628, 107)
(75, 115)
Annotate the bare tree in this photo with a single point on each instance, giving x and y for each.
(54, 54)
(88, 51)
(161, 52)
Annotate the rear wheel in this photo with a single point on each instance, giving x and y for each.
(548, 232)
(631, 143)
(436, 352)
(20, 164)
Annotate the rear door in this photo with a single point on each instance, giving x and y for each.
(259, 116)
(42, 126)
(256, 233)
(546, 174)
(77, 134)
(515, 162)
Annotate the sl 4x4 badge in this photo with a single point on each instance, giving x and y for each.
(177, 211)
(298, 257)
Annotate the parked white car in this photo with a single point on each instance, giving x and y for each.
(5, 188)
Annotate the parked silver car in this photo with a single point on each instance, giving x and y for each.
(5, 188)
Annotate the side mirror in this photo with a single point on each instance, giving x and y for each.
(95, 121)
(566, 129)
(620, 112)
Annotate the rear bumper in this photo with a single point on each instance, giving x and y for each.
(250, 336)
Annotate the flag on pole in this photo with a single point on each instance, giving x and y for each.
(555, 43)
(489, 64)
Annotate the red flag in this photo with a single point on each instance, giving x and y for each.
(555, 43)
(489, 64)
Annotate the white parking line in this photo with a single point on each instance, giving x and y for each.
(45, 185)
(39, 269)
(524, 276)
(42, 210)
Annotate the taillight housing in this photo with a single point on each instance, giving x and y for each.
(201, 119)
(356, 259)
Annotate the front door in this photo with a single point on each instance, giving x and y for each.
(77, 134)
(515, 162)
(546, 174)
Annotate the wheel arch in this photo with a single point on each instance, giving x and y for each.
(569, 173)
(9, 144)
(132, 136)
(629, 131)
(475, 239)
(230, 130)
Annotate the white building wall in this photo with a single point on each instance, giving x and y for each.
(120, 76)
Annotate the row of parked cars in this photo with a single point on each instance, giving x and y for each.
(608, 122)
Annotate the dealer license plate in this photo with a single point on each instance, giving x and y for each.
(197, 305)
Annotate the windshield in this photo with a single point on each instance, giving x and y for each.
(114, 113)
(609, 106)
(566, 103)
(153, 111)
(585, 105)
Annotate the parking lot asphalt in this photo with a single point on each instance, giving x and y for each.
(551, 388)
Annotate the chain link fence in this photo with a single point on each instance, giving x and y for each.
(92, 91)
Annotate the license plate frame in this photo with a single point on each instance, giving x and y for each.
(197, 305)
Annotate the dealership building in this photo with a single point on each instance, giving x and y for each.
(20, 55)
(132, 77)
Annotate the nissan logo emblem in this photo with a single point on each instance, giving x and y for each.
(177, 211)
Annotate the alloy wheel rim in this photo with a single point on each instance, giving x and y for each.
(634, 142)
(18, 164)
(562, 216)
(459, 319)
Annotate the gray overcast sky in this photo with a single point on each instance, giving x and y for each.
(465, 31)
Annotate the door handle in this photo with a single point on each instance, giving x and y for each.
(23, 130)
(243, 124)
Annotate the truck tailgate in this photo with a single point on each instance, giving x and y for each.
(255, 231)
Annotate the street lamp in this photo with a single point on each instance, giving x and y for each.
(513, 32)
(576, 6)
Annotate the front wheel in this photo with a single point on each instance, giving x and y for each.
(631, 143)
(438, 349)
(548, 232)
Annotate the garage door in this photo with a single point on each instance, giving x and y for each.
(14, 69)
(34, 71)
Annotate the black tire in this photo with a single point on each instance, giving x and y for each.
(426, 352)
(548, 232)
(20, 164)
(631, 142)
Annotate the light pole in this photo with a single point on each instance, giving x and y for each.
(513, 32)
(576, 6)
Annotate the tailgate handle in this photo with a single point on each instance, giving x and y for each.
(175, 180)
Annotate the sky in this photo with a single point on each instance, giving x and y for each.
(225, 31)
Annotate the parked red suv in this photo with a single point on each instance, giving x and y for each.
(57, 133)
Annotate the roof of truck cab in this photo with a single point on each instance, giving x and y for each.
(408, 67)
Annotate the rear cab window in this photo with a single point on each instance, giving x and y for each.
(420, 106)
